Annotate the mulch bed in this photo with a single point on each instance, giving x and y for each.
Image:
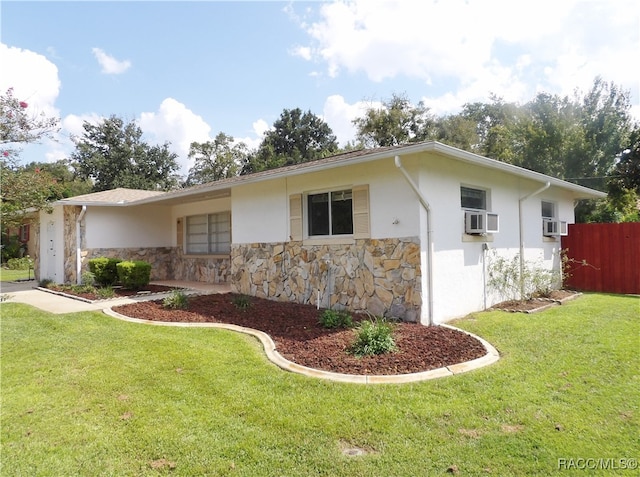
(536, 303)
(300, 338)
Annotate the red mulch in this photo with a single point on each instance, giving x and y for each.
(534, 303)
(299, 338)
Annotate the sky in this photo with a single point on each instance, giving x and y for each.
(185, 71)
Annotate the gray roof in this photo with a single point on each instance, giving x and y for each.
(222, 188)
(119, 196)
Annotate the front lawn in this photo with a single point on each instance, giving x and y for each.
(85, 394)
(7, 275)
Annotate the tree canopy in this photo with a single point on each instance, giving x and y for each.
(112, 154)
(295, 137)
(23, 190)
(215, 160)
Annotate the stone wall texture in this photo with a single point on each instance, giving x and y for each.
(382, 277)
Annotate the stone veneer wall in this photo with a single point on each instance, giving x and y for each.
(70, 213)
(379, 276)
(168, 263)
(208, 269)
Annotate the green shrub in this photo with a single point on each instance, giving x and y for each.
(242, 302)
(177, 300)
(88, 278)
(11, 246)
(45, 283)
(134, 274)
(24, 263)
(373, 337)
(104, 270)
(105, 292)
(336, 319)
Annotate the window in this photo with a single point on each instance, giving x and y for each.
(209, 233)
(23, 233)
(330, 213)
(548, 210)
(473, 198)
(334, 214)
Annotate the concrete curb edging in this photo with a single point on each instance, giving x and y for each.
(276, 358)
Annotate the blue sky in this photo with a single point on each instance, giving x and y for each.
(188, 70)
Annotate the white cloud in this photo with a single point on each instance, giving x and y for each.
(339, 114)
(175, 123)
(109, 64)
(259, 128)
(464, 49)
(33, 77)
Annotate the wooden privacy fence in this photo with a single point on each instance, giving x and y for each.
(603, 257)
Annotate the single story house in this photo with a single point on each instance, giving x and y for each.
(402, 231)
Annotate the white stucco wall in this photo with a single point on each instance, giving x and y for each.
(461, 261)
(128, 227)
(260, 211)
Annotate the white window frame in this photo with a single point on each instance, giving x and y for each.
(213, 242)
(560, 227)
(485, 193)
(484, 210)
(307, 198)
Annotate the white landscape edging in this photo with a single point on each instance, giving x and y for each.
(276, 358)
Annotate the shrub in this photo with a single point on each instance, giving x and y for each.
(88, 278)
(45, 283)
(11, 246)
(373, 337)
(24, 263)
(134, 274)
(105, 292)
(177, 300)
(242, 302)
(104, 270)
(336, 319)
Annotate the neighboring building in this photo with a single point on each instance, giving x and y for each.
(403, 231)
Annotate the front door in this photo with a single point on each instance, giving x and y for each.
(51, 251)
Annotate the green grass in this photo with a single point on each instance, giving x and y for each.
(85, 394)
(7, 275)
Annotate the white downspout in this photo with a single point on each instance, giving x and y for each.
(427, 208)
(79, 245)
(522, 199)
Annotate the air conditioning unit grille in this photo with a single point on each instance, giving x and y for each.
(480, 222)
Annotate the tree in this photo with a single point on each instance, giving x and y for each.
(23, 190)
(396, 122)
(215, 160)
(64, 175)
(17, 126)
(112, 154)
(295, 137)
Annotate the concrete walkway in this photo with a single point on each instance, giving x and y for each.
(27, 292)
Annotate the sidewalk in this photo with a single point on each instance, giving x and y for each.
(25, 292)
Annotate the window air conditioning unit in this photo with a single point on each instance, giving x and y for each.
(554, 228)
(480, 222)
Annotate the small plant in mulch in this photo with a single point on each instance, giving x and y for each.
(373, 337)
(177, 300)
(105, 292)
(242, 302)
(335, 319)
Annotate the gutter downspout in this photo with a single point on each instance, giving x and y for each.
(522, 199)
(79, 245)
(427, 208)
